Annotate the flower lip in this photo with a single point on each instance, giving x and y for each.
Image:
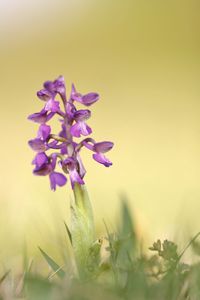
(57, 179)
(103, 147)
(100, 158)
(80, 128)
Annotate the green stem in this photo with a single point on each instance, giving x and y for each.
(82, 229)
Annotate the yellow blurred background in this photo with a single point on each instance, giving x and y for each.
(143, 58)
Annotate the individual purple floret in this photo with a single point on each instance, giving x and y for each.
(63, 151)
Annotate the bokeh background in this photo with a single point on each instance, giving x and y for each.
(143, 58)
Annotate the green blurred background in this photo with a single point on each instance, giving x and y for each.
(143, 58)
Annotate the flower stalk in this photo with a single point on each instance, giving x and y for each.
(82, 229)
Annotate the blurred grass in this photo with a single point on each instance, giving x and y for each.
(128, 272)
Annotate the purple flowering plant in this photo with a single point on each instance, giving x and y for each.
(65, 151)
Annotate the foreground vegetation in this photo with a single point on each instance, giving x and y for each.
(116, 267)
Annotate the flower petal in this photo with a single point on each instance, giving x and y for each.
(56, 86)
(63, 132)
(63, 149)
(100, 158)
(44, 95)
(90, 98)
(87, 99)
(82, 114)
(71, 109)
(75, 177)
(88, 144)
(41, 117)
(37, 145)
(103, 147)
(59, 85)
(49, 86)
(43, 170)
(75, 95)
(40, 159)
(44, 131)
(57, 179)
(52, 105)
(72, 166)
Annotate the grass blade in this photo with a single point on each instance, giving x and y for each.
(54, 266)
(68, 233)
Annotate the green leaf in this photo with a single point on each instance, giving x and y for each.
(54, 266)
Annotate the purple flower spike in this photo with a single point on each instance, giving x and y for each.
(73, 124)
